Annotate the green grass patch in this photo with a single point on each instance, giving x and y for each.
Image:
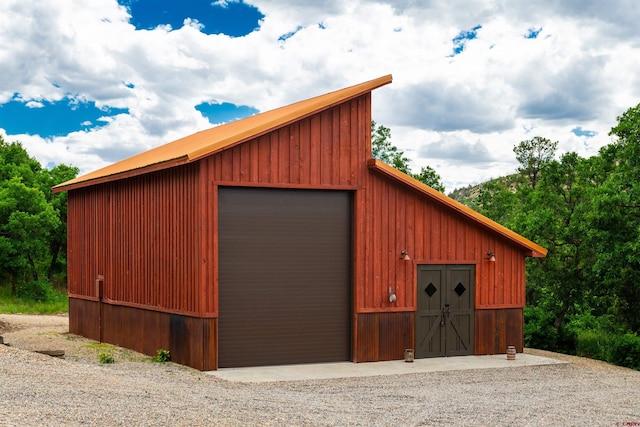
(120, 353)
(104, 352)
(56, 302)
(100, 346)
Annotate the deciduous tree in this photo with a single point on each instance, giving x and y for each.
(383, 149)
(533, 154)
(429, 176)
(32, 219)
(615, 219)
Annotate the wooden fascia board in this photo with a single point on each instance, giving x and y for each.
(531, 249)
(70, 185)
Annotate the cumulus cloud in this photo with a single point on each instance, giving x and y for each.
(580, 71)
(439, 107)
(456, 150)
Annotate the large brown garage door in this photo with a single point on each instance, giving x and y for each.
(284, 276)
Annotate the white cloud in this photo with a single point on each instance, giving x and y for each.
(462, 115)
(34, 104)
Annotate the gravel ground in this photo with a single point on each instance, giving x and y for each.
(38, 390)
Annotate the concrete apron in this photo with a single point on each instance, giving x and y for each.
(320, 371)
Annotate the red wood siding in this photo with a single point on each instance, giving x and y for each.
(400, 219)
(324, 150)
(143, 236)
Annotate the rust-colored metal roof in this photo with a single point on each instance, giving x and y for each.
(218, 138)
(533, 249)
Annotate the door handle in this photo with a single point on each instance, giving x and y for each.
(446, 311)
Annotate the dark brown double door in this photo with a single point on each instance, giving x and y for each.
(444, 321)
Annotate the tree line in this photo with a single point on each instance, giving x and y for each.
(584, 297)
(33, 223)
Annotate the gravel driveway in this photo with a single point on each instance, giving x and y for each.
(40, 390)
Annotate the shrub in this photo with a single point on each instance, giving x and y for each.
(567, 340)
(105, 358)
(162, 356)
(538, 329)
(594, 344)
(625, 351)
(36, 290)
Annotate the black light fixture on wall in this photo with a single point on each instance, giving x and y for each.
(491, 256)
(405, 256)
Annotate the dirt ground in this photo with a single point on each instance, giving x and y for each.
(51, 332)
(40, 390)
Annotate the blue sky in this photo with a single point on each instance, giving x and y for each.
(90, 83)
(233, 19)
(51, 118)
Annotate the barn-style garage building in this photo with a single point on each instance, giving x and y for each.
(277, 239)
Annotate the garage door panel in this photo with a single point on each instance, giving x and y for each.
(284, 276)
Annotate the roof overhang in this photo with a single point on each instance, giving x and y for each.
(529, 247)
(219, 138)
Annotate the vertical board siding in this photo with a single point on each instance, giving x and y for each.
(208, 229)
(323, 150)
(87, 233)
(327, 149)
(143, 235)
(401, 219)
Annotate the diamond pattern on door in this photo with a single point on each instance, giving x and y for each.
(430, 290)
(459, 289)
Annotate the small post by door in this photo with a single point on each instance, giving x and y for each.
(444, 319)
